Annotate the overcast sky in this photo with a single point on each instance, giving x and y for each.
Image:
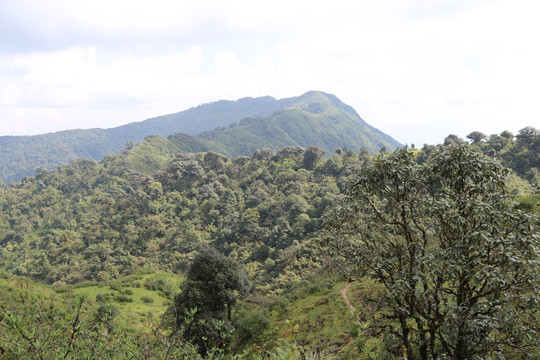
(417, 70)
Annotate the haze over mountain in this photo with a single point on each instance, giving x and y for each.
(231, 127)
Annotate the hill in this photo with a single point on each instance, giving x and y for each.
(137, 220)
(230, 127)
(315, 118)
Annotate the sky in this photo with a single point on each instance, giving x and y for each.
(418, 70)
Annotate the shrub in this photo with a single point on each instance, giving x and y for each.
(252, 325)
(147, 299)
(123, 298)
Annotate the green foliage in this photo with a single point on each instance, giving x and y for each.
(122, 229)
(252, 326)
(147, 299)
(36, 329)
(520, 153)
(160, 284)
(300, 125)
(99, 221)
(292, 350)
(324, 322)
(218, 278)
(133, 314)
(476, 137)
(530, 203)
(105, 315)
(213, 284)
(123, 298)
(459, 263)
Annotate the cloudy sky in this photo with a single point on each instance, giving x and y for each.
(418, 70)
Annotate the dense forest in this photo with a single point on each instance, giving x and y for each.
(94, 221)
(138, 221)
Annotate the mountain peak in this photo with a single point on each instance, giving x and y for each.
(314, 118)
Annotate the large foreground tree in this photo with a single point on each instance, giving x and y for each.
(213, 284)
(458, 262)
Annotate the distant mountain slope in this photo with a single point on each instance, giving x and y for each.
(21, 155)
(201, 118)
(314, 118)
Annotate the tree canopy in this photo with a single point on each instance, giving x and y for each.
(213, 284)
(458, 261)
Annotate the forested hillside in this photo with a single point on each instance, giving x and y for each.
(230, 127)
(91, 220)
(127, 220)
(21, 155)
(519, 152)
(150, 207)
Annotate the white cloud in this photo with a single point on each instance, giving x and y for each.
(418, 70)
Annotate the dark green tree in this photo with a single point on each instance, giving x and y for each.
(527, 135)
(507, 135)
(312, 156)
(458, 261)
(452, 139)
(476, 137)
(213, 284)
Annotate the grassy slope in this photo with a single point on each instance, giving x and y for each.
(312, 121)
(151, 155)
(324, 321)
(136, 314)
(315, 305)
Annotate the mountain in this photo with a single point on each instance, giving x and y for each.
(315, 118)
(230, 127)
(124, 237)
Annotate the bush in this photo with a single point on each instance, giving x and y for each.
(529, 203)
(279, 304)
(116, 286)
(49, 337)
(123, 298)
(151, 284)
(160, 285)
(147, 299)
(105, 315)
(252, 325)
(103, 298)
(5, 275)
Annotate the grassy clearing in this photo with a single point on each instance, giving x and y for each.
(140, 298)
(11, 290)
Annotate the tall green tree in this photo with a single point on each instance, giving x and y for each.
(213, 285)
(476, 137)
(458, 261)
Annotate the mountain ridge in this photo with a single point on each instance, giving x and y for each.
(22, 155)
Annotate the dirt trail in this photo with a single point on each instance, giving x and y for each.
(346, 298)
(351, 307)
